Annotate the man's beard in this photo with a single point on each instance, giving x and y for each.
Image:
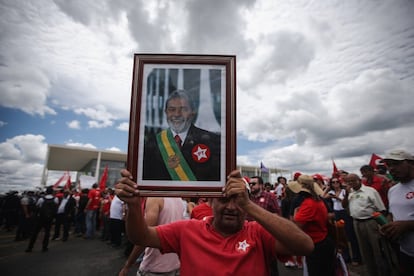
(254, 192)
(179, 125)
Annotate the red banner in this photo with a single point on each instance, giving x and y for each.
(62, 178)
(335, 171)
(375, 161)
(102, 183)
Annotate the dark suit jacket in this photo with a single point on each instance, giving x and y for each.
(154, 167)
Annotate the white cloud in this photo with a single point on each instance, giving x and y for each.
(2, 124)
(22, 159)
(315, 80)
(81, 145)
(123, 126)
(113, 149)
(101, 117)
(75, 124)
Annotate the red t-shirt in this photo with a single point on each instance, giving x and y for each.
(377, 184)
(201, 211)
(106, 204)
(203, 251)
(313, 215)
(95, 196)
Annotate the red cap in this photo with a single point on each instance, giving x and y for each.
(317, 176)
(296, 175)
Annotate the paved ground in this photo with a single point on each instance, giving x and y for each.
(78, 257)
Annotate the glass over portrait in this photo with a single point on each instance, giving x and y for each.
(182, 131)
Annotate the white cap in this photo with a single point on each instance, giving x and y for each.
(399, 155)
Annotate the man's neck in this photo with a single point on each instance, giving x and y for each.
(406, 180)
(182, 134)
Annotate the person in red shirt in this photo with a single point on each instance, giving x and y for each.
(202, 210)
(376, 182)
(224, 244)
(92, 208)
(312, 216)
(106, 199)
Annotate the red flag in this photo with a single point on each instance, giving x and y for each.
(59, 180)
(102, 183)
(68, 185)
(335, 171)
(375, 161)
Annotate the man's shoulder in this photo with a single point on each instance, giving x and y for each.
(268, 196)
(366, 188)
(199, 131)
(400, 186)
(192, 225)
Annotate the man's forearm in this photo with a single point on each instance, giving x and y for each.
(285, 231)
(135, 223)
(137, 229)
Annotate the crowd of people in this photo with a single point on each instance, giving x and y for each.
(338, 214)
(308, 222)
(61, 213)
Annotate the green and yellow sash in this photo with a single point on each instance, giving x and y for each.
(174, 160)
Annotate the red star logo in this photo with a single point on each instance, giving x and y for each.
(200, 153)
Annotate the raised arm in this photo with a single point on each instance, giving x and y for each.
(153, 207)
(290, 239)
(138, 231)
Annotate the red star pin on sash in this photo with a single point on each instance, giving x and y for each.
(200, 153)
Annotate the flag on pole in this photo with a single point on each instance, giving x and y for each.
(335, 171)
(68, 185)
(375, 161)
(62, 178)
(102, 183)
(263, 168)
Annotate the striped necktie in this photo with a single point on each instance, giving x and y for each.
(178, 140)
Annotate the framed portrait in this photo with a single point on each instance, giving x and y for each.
(182, 134)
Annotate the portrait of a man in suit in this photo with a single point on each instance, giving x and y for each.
(183, 151)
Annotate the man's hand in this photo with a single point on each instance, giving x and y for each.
(126, 189)
(395, 229)
(237, 187)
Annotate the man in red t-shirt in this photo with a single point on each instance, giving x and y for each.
(225, 244)
(91, 209)
(376, 182)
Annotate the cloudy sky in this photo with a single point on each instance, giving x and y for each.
(316, 80)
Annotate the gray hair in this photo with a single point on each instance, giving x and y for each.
(181, 94)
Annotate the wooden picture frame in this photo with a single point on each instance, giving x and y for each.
(201, 95)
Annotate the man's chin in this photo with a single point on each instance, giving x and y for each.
(177, 128)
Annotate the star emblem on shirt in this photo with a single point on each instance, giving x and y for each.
(201, 153)
(243, 245)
